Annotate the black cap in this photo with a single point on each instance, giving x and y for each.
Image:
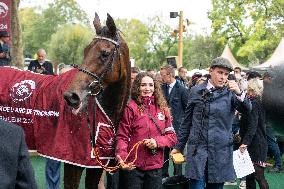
(4, 34)
(222, 63)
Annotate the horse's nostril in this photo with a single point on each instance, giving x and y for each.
(72, 99)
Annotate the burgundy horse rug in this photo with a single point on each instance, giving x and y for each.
(35, 102)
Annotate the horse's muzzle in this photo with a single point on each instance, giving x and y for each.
(72, 99)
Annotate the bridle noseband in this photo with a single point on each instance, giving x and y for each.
(96, 84)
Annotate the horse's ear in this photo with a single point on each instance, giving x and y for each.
(111, 25)
(97, 24)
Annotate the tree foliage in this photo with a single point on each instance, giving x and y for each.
(149, 43)
(160, 42)
(68, 43)
(253, 28)
(38, 26)
(136, 35)
(200, 50)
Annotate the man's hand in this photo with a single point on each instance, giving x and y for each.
(234, 87)
(174, 151)
(38, 70)
(243, 148)
(150, 143)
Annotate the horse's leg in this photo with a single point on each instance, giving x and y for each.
(93, 177)
(72, 176)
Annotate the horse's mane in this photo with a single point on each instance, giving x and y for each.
(115, 96)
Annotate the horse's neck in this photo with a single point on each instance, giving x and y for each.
(113, 100)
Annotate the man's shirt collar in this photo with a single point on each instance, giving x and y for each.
(172, 84)
(209, 85)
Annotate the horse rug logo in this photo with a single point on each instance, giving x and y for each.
(161, 116)
(3, 10)
(22, 90)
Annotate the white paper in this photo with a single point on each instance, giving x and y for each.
(242, 164)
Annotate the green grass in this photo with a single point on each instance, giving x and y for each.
(275, 181)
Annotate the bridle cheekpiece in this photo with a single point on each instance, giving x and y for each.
(95, 87)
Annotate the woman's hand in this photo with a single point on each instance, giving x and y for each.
(150, 143)
(123, 165)
(174, 151)
(243, 148)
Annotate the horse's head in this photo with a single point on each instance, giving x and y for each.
(103, 64)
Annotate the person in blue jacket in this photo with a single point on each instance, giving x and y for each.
(207, 128)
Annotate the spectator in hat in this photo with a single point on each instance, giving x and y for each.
(41, 65)
(194, 78)
(5, 57)
(207, 128)
(200, 80)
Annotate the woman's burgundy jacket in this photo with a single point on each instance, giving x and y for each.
(136, 126)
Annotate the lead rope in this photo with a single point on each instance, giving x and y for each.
(95, 149)
(117, 166)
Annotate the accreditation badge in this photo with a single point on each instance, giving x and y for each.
(161, 116)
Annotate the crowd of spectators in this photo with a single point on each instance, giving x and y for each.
(210, 115)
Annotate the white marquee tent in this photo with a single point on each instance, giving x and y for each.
(191, 72)
(227, 53)
(276, 59)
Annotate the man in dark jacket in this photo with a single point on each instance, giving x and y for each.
(176, 96)
(52, 167)
(41, 65)
(181, 78)
(5, 57)
(15, 167)
(207, 127)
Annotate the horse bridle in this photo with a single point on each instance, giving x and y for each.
(97, 82)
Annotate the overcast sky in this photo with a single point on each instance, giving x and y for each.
(194, 10)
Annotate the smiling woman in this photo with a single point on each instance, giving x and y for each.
(147, 86)
(146, 120)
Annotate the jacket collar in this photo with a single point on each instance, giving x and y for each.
(204, 86)
(148, 100)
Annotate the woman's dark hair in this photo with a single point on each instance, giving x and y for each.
(253, 74)
(158, 94)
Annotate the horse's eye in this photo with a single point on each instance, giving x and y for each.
(104, 55)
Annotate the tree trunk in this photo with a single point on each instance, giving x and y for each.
(17, 46)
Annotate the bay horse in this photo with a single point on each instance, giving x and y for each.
(273, 98)
(105, 74)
